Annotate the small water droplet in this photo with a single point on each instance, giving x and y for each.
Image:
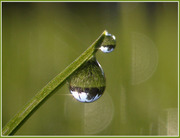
(87, 84)
(109, 43)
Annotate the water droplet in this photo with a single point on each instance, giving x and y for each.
(109, 43)
(87, 84)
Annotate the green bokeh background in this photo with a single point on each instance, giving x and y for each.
(141, 98)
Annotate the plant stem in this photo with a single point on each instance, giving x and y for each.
(15, 123)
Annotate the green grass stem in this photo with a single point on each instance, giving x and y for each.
(15, 123)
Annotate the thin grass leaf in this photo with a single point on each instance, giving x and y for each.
(16, 122)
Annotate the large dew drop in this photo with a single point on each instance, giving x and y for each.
(87, 84)
(109, 43)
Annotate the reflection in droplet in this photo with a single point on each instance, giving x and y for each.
(86, 94)
(87, 84)
(144, 58)
(98, 115)
(109, 43)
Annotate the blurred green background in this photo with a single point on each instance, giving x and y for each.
(141, 96)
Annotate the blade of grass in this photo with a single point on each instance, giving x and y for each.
(14, 124)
